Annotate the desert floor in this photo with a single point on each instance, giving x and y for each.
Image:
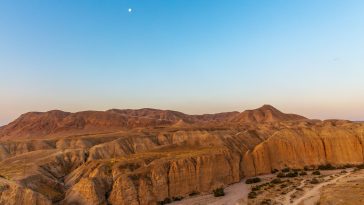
(296, 190)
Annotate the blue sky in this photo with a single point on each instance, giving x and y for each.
(200, 56)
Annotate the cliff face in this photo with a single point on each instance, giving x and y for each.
(313, 146)
(145, 165)
(12, 193)
(164, 177)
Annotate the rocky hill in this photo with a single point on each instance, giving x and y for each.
(59, 123)
(148, 156)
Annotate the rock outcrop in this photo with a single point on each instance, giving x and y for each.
(12, 193)
(318, 144)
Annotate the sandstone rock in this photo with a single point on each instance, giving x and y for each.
(14, 194)
(145, 156)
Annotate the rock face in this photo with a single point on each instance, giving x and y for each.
(164, 177)
(148, 156)
(12, 193)
(300, 147)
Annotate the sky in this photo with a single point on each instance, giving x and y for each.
(194, 56)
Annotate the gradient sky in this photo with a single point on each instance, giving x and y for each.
(195, 56)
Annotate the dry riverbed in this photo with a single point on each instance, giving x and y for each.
(304, 189)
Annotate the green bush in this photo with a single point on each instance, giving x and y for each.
(316, 172)
(360, 166)
(177, 198)
(256, 188)
(266, 202)
(252, 195)
(219, 192)
(193, 193)
(253, 180)
(276, 181)
(348, 166)
(326, 167)
(165, 201)
(292, 174)
(274, 171)
(314, 181)
(281, 175)
(285, 169)
(303, 173)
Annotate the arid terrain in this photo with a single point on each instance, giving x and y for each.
(149, 156)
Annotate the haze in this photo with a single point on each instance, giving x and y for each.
(202, 56)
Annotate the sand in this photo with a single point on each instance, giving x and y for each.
(237, 194)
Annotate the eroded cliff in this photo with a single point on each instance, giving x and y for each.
(146, 165)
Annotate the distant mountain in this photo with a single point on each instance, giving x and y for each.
(56, 122)
(266, 113)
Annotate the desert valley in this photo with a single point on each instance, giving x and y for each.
(181, 102)
(149, 156)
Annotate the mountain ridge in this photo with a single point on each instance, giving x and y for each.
(39, 124)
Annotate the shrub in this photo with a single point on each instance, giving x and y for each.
(360, 166)
(253, 180)
(276, 181)
(266, 202)
(292, 174)
(314, 181)
(303, 173)
(285, 169)
(348, 166)
(219, 192)
(193, 193)
(252, 195)
(256, 188)
(274, 171)
(316, 172)
(177, 198)
(281, 175)
(326, 167)
(165, 201)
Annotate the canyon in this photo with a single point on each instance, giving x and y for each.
(150, 156)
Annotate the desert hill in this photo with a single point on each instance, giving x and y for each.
(58, 123)
(150, 156)
(266, 113)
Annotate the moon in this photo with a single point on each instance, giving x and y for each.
(130, 10)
